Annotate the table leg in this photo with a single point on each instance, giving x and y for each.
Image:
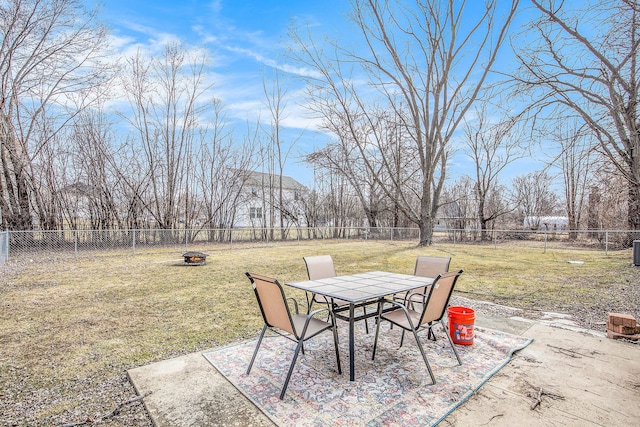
(352, 365)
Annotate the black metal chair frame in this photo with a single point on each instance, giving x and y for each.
(293, 335)
(426, 299)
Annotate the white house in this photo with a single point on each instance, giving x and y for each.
(260, 201)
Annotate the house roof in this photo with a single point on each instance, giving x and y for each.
(78, 187)
(261, 179)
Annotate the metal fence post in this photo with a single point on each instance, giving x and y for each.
(4, 248)
(75, 242)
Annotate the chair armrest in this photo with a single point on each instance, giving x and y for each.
(391, 301)
(314, 312)
(295, 303)
(303, 334)
(409, 295)
(400, 306)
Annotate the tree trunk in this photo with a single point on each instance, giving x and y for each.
(426, 228)
(16, 209)
(634, 206)
(481, 218)
(573, 225)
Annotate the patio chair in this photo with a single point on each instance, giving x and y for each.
(431, 266)
(434, 306)
(427, 266)
(278, 318)
(321, 267)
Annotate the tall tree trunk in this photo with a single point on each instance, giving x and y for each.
(634, 206)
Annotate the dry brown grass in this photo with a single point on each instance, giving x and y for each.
(70, 328)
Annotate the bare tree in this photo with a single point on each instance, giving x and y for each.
(606, 207)
(492, 147)
(167, 106)
(133, 173)
(534, 197)
(363, 175)
(458, 207)
(585, 58)
(49, 56)
(220, 173)
(277, 152)
(330, 204)
(368, 193)
(93, 184)
(424, 61)
(576, 159)
(312, 213)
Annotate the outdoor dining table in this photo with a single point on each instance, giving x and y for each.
(359, 290)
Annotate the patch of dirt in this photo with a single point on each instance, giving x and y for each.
(99, 400)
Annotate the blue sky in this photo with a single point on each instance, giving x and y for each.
(244, 38)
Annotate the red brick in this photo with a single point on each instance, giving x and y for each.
(621, 329)
(616, 336)
(622, 319)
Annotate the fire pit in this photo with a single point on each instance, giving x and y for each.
(195, 258)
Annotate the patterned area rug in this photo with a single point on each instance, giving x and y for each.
(393, 390)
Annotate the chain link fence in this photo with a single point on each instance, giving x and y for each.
(77, 243)
(605, 240)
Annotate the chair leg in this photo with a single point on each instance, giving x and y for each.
(378, 322)
(255, 352)
(335, 343)
(446, 332)
(431, 335)
(401, 337)
(424, 356)
(293, 362)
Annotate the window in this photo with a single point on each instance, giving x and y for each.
(296, 196)
(254, 191)
(255, 213)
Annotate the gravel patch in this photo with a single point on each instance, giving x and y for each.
(590, 317)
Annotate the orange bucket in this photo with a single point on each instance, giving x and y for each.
(461, 321)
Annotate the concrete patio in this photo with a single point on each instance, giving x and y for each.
(566, 377)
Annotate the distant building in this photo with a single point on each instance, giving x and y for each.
(260, 198)
(550, 223)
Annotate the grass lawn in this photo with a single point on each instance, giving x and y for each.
(70, 328)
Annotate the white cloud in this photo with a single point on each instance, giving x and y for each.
(237, 58)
